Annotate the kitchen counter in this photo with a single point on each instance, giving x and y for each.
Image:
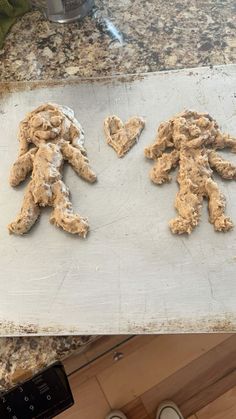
(130, 37)
(22, 357)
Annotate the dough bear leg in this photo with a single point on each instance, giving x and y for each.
(28, 215)
(188, 205)
(63, 215)
(216, 207)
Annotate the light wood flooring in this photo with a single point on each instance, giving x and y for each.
(135, 374)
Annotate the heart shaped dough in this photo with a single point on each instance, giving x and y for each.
(122, 136)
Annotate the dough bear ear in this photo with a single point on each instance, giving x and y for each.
(122, 136)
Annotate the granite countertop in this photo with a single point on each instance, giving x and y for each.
(129, 36)
(22, 357)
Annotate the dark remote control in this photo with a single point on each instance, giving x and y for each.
(41, 397)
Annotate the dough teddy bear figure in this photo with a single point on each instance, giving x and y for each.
(191, 140)
(48, 136)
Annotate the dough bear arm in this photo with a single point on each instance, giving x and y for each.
(225, 141)
(162, 142)
(23, 136)
(223, 167)
(22, 167)
(78, 161)
(164, 164)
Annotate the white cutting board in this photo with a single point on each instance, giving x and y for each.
(131, 275)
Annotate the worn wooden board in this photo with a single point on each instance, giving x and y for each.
(131, 275)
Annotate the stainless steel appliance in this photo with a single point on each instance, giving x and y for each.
(63, 11)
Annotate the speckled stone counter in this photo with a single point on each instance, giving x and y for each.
(21, 357)
(129, 36)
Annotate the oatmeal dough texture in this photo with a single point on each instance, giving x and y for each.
(48, 136)
(190, 140)
(121, 136)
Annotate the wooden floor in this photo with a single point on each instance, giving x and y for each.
(198, 372)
